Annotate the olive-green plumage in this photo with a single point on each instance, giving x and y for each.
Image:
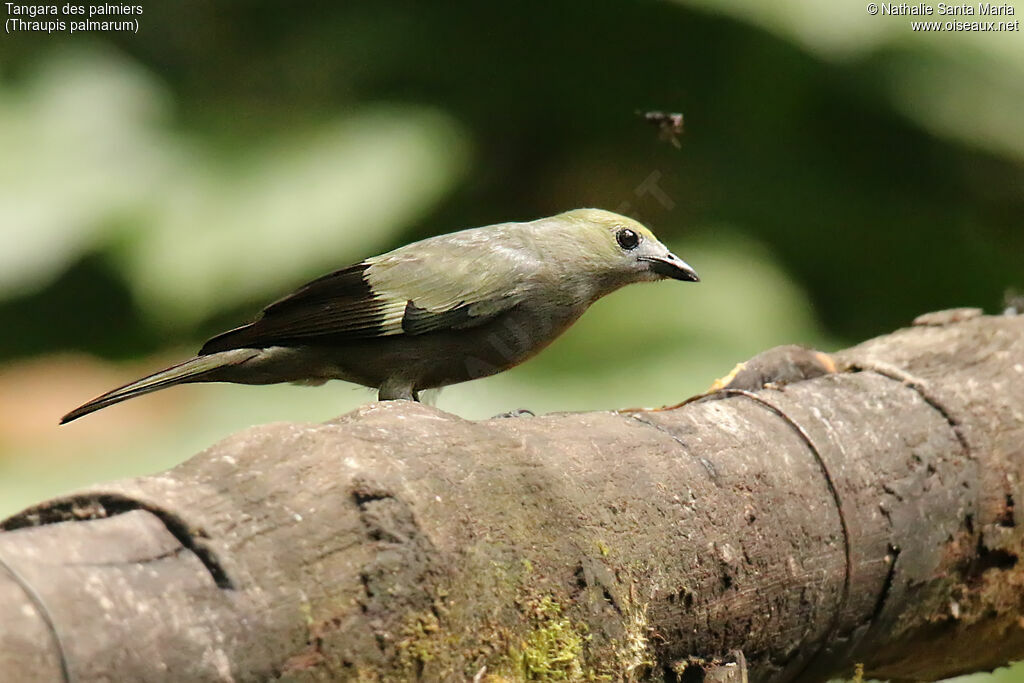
(440, 311)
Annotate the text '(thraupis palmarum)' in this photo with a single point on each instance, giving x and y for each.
(71, 18)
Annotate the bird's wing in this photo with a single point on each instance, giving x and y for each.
(402, 292)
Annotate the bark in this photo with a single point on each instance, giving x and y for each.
(813, 514)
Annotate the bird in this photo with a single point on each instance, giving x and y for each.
(436, 312)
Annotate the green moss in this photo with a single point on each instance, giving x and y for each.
(552, 650)
(419, 643)
(547, 643)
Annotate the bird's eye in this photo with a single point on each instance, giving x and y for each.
(627, 239)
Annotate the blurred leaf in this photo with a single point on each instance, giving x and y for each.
(837, 29)
(965, 85)
(972, 96)
(290, 208)
(79, 149)
(86, 159)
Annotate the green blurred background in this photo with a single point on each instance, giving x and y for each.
(839, 174)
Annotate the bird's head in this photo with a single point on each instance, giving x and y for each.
(621, 251)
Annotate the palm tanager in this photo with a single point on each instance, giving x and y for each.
(436, 312)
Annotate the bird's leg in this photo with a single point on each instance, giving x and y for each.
(402, 391)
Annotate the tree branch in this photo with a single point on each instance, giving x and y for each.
(860, 509)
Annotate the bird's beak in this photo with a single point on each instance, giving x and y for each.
(674, 267)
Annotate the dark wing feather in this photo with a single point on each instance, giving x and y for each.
(348, 283)
(343, 306)
(338, 304)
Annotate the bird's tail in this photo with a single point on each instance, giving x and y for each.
(196, 369)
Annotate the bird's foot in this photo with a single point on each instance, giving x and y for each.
(521, 412)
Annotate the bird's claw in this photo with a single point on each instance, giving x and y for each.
(520, 412)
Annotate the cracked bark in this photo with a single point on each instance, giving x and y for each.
(812, 513)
